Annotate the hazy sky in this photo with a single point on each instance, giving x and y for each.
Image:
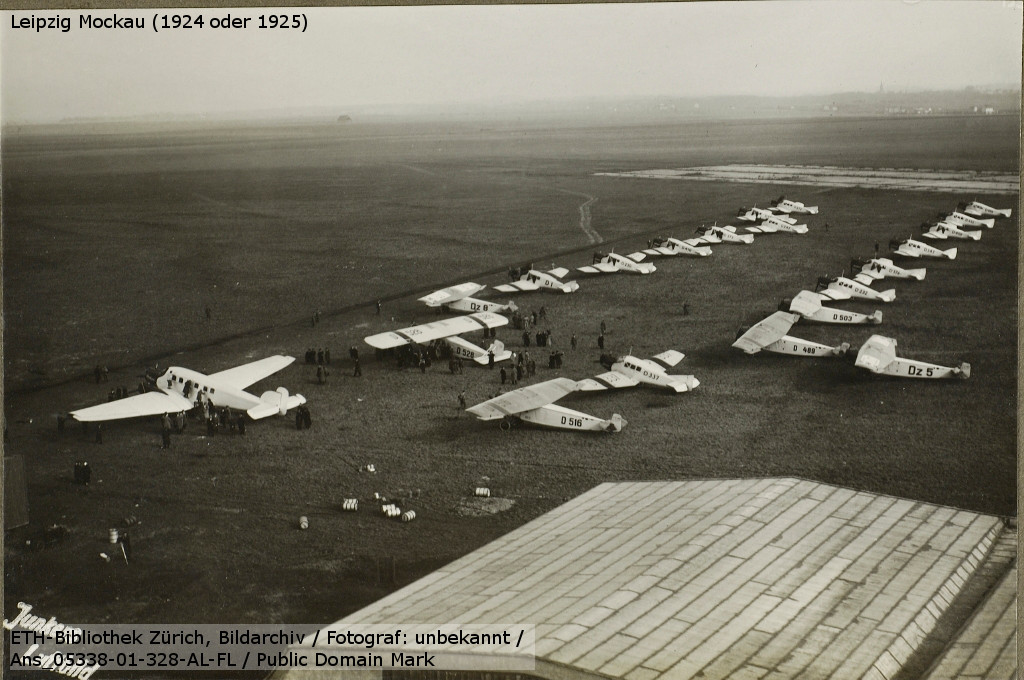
(350, 57)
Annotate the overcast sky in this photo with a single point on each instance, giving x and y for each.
(350, 57)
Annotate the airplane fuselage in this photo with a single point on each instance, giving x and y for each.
(204, 387)
(861, 291)
(469, 304)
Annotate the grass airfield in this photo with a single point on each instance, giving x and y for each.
(115, 244)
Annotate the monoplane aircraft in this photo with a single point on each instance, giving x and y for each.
(716, 234)
(770, 335)
(784, 205)
(878, 355)
(975, 209)
(756, 214)
(808, 305)
(609, 263)
(908, 247)
(673, 246)
(868, 271)
(538, 280)
(778, 223)
(181, 389)
(962, 220)
(944, 230)
(535, 404)
(444, 329)
(458, 298)
(628, 371)
(842, 288)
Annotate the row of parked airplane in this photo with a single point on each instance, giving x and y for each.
(878, 354)
(535, 403)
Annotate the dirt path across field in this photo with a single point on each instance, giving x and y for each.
(957, 181)
(592, 235)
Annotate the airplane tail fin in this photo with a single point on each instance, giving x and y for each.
(800, 228)
(570, 287)
(917, 273)
(683, 383)
(274, 402)
(974, 235)
(497, 347)
(951, 253)
(512, 306)
(965, 370)
(888, 295)
(876, 318)
(615, 423)
(841, 350)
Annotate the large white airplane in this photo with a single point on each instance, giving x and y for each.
(673, 246)
(911, 248)
(180, 389)
(808, 305)
(613, 262)
(629, 371)
(716, 234)
(878, 355)
(842, 288)
(776, 224)
(962, 220)
(446, 330)
(875, 269)
(770, 335)
(537, 280)
(784, 205)
(458, 298)
(756, 214)
(944, 230)
(975, 209)
(535, 404)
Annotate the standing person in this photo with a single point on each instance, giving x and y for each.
(686, 309)
(572, 341)
(600, 339)
(503, 375)
(378, 307)
(358, 371)
(99, 433)
(603, 327)
(165, 431)
(462, 400)
(490, 359)
(320, 374)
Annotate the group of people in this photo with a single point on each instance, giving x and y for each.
(320, 355)
(303, 420)
(214, 417)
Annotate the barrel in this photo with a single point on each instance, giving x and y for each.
(350, 504)
(408, 515)
(113, 535)
(482, 492)
(303, 522)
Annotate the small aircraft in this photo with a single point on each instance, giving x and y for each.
(535, 404)
(962, 220)
(784, 205)
(537, 280)
(776, 224)
(180, 389)
(458, 298)
(808, 305)
(673, 246)
(842, 288)
(868, 271)
(943, 230)
(716, 234)
(975, 209)
(770, 335)
(908, 247)
(878, 355)
(613, 262)
(446, 328)
(629, 371)
(756, 214)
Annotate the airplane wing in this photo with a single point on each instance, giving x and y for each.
(806, 303)
(558, 272)
(148, 404)
(906, 252)
(659, 250)
(600, 268)
(523, 399)
(877, 353)
(668, 358)
(637, 256)
(606, 381)
(833, 294)
(765, 332)
(451, 294)
(435, 331)
(519, 286)
(247, 374)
